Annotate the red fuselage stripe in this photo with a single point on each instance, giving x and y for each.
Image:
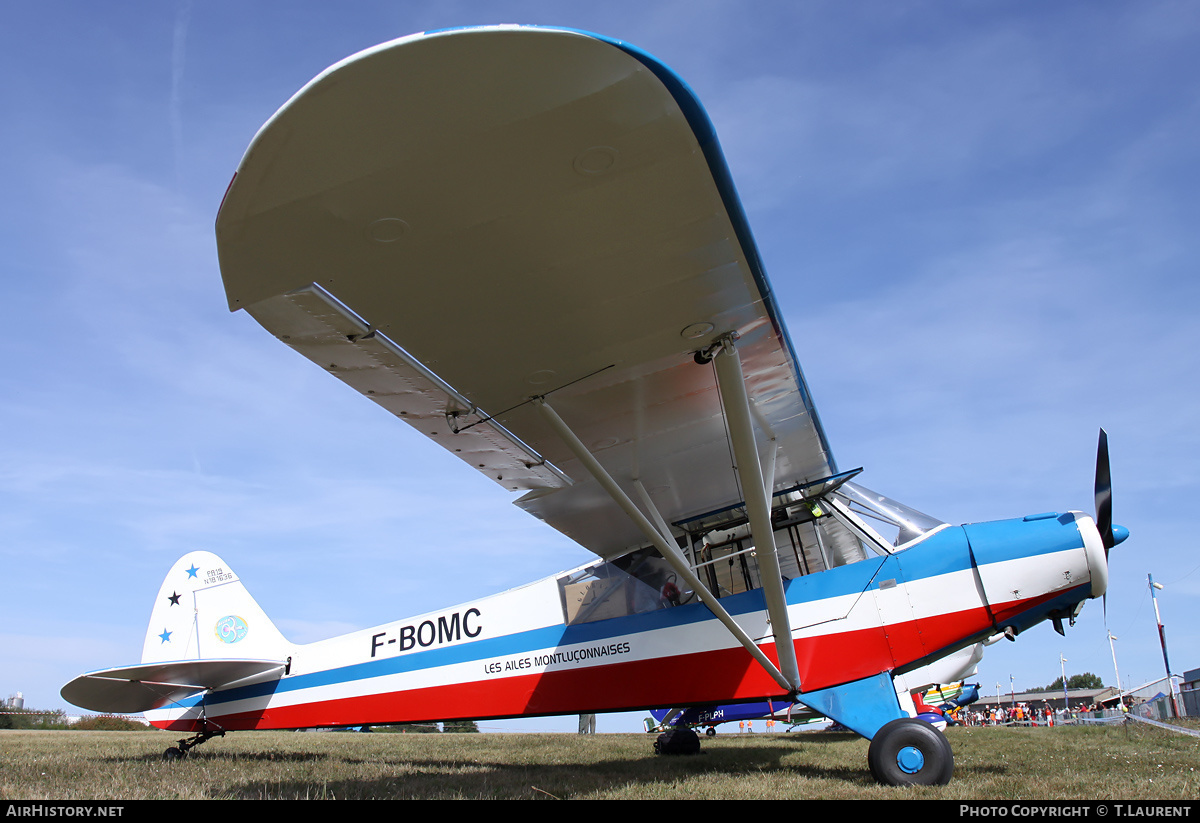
(727, 675)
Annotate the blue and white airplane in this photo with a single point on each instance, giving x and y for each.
(525, 243)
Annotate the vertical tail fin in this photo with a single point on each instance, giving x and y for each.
(203, 611)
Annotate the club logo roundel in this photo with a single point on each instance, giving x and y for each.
(231, 629)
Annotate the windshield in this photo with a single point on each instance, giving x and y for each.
(893, 521)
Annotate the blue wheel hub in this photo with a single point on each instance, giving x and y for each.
(910, 760)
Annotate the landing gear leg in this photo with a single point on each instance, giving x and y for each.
(910, 752)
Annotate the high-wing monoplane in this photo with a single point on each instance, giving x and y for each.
(526, 243)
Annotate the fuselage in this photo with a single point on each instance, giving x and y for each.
(528, 652)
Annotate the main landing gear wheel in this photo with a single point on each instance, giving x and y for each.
(910, 752)
(172, 754)
(711, 732)
(677, 741)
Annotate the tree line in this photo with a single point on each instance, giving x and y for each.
(1087, 680)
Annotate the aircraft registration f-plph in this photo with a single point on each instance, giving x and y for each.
(525, 242)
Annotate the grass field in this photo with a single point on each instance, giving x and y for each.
(1139, 763)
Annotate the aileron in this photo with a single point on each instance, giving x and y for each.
(318, 326)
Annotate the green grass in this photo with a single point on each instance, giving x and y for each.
(1001, 764)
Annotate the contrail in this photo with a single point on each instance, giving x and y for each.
(178, 51)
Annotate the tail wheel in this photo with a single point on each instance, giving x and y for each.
(910, 752)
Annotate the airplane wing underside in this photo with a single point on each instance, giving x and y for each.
(560, 225)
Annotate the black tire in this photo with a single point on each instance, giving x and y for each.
(712, 732)
(172, 754)
(677, 741)
(910, 752)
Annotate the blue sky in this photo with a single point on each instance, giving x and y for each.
(979, 219)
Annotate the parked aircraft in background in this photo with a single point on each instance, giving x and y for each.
(933, 706)
(709, 717)
(525, 242)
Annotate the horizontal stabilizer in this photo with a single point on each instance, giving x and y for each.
(152, 685)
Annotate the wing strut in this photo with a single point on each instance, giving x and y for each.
(756, 488)
(666, 548)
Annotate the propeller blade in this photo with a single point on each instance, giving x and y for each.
(1104, 494)
(1104, 505)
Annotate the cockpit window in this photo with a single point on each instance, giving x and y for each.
(638, 582)
(817, 527)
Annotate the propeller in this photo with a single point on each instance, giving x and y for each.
(1104, 495)
(1110, 535)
